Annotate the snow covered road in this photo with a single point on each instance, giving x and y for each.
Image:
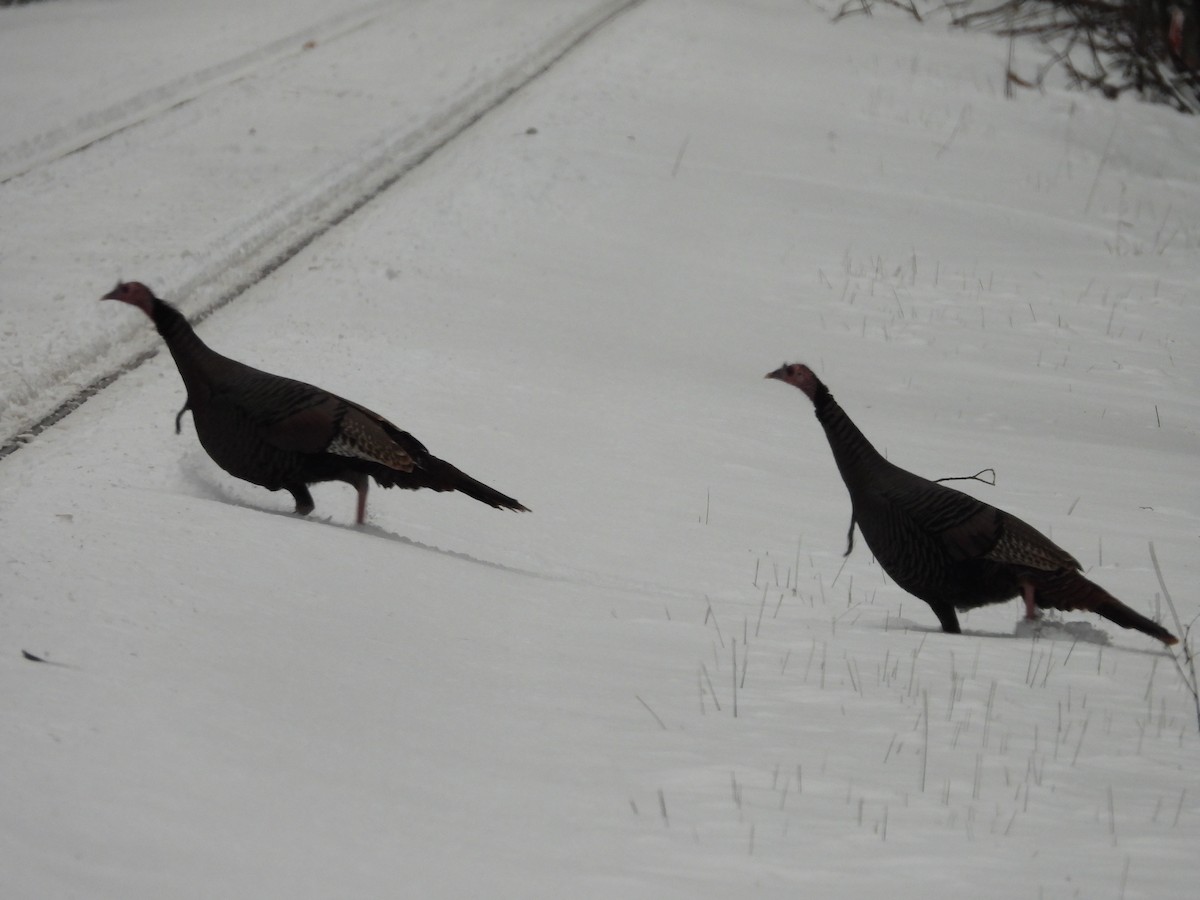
(248, 134)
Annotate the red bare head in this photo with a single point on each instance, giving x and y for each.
(134, 293)
(800, 376)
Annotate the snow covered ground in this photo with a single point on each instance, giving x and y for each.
(665, 681)
(299, 117)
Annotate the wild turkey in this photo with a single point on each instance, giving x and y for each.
(946, 547)
(280, 433)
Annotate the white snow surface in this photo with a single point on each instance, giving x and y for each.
(665, 681)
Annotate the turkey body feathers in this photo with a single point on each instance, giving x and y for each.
(280, 433)
(946, 547)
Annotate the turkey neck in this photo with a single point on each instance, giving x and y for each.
(857, 459)
(194, 358)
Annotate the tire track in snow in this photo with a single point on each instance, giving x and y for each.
(32, 153)
(247, 254)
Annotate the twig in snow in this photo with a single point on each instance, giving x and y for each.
(949, 140)
(1009, 75)
(1103, 161)
(863, 7)
(716, 624)
(32, 657)
(675, 170)
(1188, 656)
(1079, 743)
(987, 713)
(1112, 816)
(908, 6)
(711, 692)
(925, 748)
(733, 642)
(660, 722)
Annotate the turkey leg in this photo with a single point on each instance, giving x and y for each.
(1027, 594)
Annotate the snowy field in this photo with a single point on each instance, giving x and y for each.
(562, 242)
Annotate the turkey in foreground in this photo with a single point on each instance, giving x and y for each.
(946, 547)
(280, 433)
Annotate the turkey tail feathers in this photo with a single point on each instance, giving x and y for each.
(1070, 590)
(477, 490)
(438, 475)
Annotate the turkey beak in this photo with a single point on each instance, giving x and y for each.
(778, 373)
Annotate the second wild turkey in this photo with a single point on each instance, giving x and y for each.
(284, 434)
(944, 546)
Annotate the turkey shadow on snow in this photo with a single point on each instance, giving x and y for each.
(1058, 631)
(898, 623)
(384, 534)
(1078, 632)
(193, 470)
